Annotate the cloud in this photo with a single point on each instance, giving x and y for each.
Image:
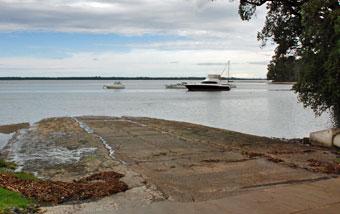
(204, 34)
(259, 62)
(210, 63)
(178, 17)
(151, 62)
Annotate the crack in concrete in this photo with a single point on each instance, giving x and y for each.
(290, 182)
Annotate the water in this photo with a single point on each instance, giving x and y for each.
(4, 138)
(255, 108)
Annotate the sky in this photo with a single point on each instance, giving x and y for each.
(129, 38)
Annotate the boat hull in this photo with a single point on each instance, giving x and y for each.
(114, 87)
(175, 87)
(208, 87)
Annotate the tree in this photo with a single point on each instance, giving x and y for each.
(308, 31)
(283, 69)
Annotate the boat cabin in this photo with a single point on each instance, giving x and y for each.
(212, 79)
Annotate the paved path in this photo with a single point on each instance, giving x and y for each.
(321, 197)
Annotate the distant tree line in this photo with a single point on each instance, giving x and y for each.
(284, 69)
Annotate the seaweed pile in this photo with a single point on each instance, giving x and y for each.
(55, 192)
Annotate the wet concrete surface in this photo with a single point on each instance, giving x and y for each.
(166, 160)
(188, 169)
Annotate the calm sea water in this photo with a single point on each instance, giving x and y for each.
(256, 108)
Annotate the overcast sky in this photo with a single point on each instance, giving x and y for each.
(128, 38)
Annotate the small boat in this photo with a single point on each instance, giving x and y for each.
(115, 85)
(176, 86)
(212, 83)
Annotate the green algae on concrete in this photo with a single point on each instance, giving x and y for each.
(7, 165)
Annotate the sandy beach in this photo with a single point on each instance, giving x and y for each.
(178, 167)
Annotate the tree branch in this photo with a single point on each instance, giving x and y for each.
(254, 2)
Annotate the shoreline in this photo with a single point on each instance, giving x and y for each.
(124, 78)
(165, 161)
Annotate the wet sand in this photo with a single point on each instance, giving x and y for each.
(166, 161)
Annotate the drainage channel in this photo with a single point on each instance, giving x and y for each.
(89, 130)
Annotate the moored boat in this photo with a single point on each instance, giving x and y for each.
(115, 85)
(176, 86)
(212, 83)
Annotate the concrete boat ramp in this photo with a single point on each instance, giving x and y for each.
(175, 167)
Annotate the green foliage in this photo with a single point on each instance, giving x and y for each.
(307, 32)
(282, 26)
(9, 199)
(283, 69)
(319, 80)
(7, 165)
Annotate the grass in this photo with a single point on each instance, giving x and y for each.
(9, 199)
(25, 176)
(7, 165)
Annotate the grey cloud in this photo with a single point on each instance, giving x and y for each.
(218, 63)
(208, 24)
(210, 63)
(130, 17)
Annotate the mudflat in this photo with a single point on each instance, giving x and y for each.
(169, 164)
(7, 129)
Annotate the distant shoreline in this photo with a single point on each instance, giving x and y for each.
(118, 78)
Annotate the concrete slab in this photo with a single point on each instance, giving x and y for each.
(336, 140)
(198, 182)
(324, 137)
(189, 170)
(296, 198)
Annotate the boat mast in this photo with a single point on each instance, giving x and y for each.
(228, 70)
(226, 64)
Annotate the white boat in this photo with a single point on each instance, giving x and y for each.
(212, 83)
(115, 85)
(176, 86)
